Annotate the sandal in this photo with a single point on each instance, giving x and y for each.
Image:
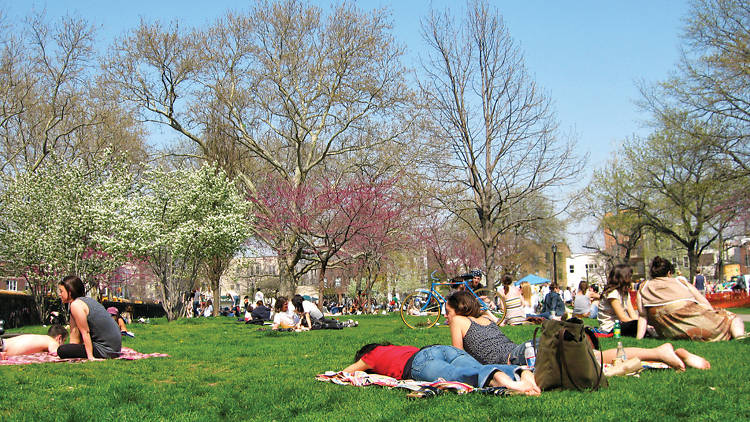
(425, 392)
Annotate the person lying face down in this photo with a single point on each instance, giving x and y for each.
(26, 344)
(438, 361)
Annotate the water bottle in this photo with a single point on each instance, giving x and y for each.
(621, 356)
(617, 329)
(529, 355)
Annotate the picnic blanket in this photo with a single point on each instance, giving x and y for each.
(418, 388)
(43, 357)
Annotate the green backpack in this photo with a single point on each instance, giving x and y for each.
(565, 357)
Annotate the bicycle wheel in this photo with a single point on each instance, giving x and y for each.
(492, 302)
(420, 310)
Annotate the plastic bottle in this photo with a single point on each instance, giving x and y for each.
(621, 356)
(530, 355)
(617, 329)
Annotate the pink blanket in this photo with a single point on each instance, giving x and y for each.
(126, 353)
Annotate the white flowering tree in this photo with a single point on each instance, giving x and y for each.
(181, 220)
(58, 221)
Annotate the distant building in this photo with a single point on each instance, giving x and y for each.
(586, 266)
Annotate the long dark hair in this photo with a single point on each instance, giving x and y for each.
(297, 302)
(507, 281)
(620, 278)
(74, 286)
(367, 348)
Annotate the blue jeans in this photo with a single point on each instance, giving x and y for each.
(594, 312)
(454, 364)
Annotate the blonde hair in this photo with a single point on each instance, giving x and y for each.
(526, 291)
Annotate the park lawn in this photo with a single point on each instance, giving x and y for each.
(225, 370)
(740, 310)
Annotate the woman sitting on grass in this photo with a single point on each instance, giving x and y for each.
(120, 321)
(515, 313)
(472, 330)
(282, 320)
(433, 362)
(93, 332)
(616, 304)
(676, 309)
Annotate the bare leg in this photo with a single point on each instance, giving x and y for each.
(664, 353)
(527, 384)
(738, 327)
(692, 360)
(2, 355)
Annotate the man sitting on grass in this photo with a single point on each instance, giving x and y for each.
(26, 344)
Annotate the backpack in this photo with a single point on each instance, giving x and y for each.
(565, 357)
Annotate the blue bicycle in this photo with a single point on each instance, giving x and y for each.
(422, 309)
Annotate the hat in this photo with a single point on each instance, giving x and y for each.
(113, 311)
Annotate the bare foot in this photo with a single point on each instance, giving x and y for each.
(528, 377)
(527, 385)
(692, 360)
(3, 355)
(668, 356)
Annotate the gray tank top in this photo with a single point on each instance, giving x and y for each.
(105, 333)
(581, 305)
(487, 344)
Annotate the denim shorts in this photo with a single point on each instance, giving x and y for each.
(517, 355)
(454, 364)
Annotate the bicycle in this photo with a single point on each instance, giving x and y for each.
(422, 309)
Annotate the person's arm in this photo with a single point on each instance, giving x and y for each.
(309, 323)
(620, 312)
(629, 308)
(359, 365)
(75, 335)
(79, 312)
(457, 334)
(641, 330)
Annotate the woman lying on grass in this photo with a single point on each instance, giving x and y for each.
(433, 362)
(472, 330)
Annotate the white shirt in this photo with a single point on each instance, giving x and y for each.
(309, 307)
(259, 297)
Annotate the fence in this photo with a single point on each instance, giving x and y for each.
(19, 309)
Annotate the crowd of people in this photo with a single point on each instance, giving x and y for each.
(481, 355)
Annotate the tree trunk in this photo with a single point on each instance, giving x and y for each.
(321, 281)
(286, 280)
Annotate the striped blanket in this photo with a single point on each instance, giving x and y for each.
(363, 379)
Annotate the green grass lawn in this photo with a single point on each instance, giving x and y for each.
(740, 310)
(223, 370)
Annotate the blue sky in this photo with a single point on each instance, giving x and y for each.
(588, 55)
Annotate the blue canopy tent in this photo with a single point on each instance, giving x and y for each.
(532, 279)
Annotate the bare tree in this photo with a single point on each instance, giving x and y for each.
(51, 101)
(291, 87)
(711, 82)
(496, 122)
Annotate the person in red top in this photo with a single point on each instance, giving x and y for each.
(439, 361)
